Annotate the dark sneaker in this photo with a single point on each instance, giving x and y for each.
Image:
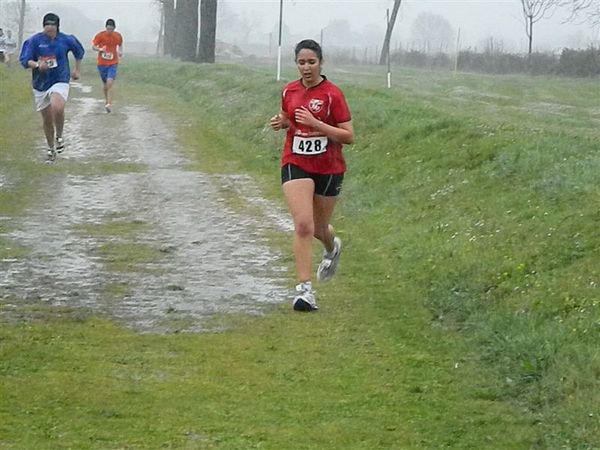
(330, 261)
(60, 145)
(305, 299)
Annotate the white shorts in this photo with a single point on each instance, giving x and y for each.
(42, 98)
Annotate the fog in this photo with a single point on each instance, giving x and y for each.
(253, 25)
(478, 21)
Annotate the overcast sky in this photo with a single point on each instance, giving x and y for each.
(477, 19)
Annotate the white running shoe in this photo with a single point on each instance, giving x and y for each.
(305, 300)
(330, 261)
(50, 155)
(60, 145)
(108, 107)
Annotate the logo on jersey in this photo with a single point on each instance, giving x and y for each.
(315, 105)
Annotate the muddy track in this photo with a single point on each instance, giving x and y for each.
(212, 259)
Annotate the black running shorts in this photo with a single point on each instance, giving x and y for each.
(326, 185)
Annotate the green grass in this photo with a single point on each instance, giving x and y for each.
(465, 314)
(113, 228)
(19, 124)
(11, 250)
(127, 256)
(18, 170)
(91, 384)
(119, 247)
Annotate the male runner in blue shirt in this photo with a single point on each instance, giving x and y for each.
(46, 53)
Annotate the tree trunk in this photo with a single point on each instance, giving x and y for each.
(208, 31)
(179, 30)
(530, 35)
(186, 31)
(190, 46)
(21, 22)
(170, 27)
(388, 33)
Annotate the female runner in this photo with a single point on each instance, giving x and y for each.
(318, 122)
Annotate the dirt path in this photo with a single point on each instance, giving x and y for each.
(212, 259)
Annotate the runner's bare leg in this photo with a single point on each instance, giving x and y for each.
(57, 103)
(48, 122)
(108, 90)
(299, 196)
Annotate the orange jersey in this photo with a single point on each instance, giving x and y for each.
(108, 42)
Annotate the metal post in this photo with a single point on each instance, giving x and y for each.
(279, 48)
(389, 67)
(457, 52)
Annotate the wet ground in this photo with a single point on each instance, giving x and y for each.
(212, 259)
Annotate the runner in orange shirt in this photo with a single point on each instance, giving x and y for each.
(109, 45)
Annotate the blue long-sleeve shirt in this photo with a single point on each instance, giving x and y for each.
(55, 52)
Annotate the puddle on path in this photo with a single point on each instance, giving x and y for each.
(212, 259)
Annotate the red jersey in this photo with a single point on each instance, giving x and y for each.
(108, 41)
(304, 147)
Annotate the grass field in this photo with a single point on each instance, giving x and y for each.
(465, 314)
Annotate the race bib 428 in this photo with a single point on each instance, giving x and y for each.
(314, 145)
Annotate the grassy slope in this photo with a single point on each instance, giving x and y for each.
(16, 167)
(17, 124)
(482, 193)
(476, 218)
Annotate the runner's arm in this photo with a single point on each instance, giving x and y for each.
(280, 121)
(78, 52)
(342, 133)
(77, 70)
(26, 58)
(96, 44)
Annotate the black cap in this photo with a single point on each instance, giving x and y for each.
(110, 23)
(51, 19)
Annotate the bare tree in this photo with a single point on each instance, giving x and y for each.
(432, 32)
(533, 12)
(589, 9)
(492, 45)
(238, 27)
(208, 31)
(337, 31)
(168, 26)
(388, 33)
(179, 29)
